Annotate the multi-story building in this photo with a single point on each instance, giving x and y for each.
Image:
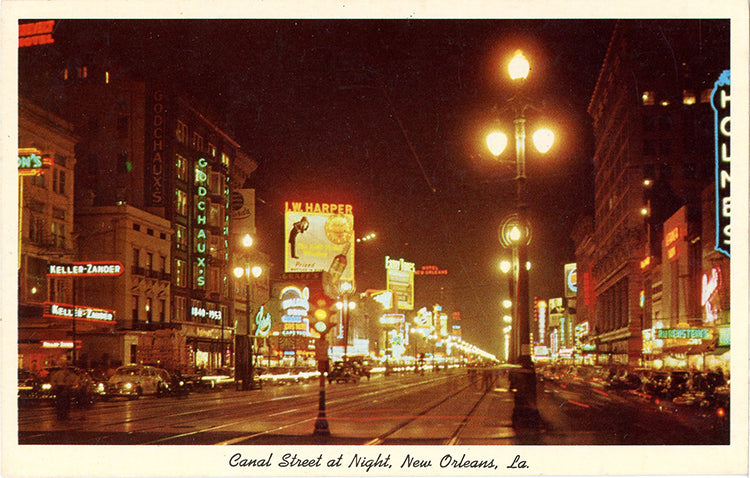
(653, 127)
(140, 295)
(145, 147)
(46, 164)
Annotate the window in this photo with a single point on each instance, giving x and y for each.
(38, 180)
(83, 72)
(180, 273)
(58, 234)
(180, 306)
(214, 281)
(162, 310)
(688, 97)
(58, 213)
(225, 159)
(649, 98)
(197, 143)
(58, 181)
(163, 264)
(149, 309)
(214, 215)
(136, 257)
(182, 132)
(136, 226)
(122, 126)
(136, 308)
(150, 261)
(215, 181)
(212, 150)
(181, 237)
(181, 165)
(123, 165)
(150, 232)
(706, 96)
(180, 202)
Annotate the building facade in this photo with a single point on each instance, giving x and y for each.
(653, 128)
(46, 165)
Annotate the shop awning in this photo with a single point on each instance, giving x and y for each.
(719, 351)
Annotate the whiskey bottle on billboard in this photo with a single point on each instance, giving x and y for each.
(338, 265)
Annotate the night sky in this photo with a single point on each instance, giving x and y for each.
(389, 116)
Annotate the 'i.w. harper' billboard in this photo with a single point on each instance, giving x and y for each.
(319, 237)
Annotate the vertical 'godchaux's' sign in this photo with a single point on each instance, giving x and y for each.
(720, 103)
(200, 238)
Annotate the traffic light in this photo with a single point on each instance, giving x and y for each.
(320, 312)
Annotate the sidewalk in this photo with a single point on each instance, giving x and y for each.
(492, 422)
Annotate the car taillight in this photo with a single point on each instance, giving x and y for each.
(720, 412)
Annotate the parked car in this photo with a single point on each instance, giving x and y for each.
(29, 386)
(132, 381)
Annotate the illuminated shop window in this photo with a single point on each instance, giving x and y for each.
(688, 97)
(180, 206)
(648, 98)
(706, 95)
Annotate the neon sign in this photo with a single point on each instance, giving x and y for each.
(201, 237)
(262, 322)
(86, 269)
(722, 133)
(542, 317)
(31, 162)
(571, 280)
(646, 262)
(294, 301)
(683, 334)
(398, 265)
(37, 33)
(157, 147)
(203, 313)
(709, 287)
(78, 312)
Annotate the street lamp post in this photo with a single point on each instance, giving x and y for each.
(251, 273)
(516, 232)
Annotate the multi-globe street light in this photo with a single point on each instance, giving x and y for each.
(516, 233)
(251, 273)
(346, 290)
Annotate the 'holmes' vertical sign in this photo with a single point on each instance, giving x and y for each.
(720, 103)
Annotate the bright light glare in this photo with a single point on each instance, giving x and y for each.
(518, 68)
(256, 271)
(507, 319)
(247, 240)
(507, 303)
(496, 142)
(543, 140)
(238, 272)
(505, 266)
(528, 265)
(352, 305)
(346, 287)
(515, 234)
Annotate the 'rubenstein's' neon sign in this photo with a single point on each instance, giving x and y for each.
(720, 103)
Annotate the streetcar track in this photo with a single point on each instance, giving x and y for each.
(218, 404)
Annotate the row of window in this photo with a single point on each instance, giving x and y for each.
(149, 231)
(148, 262)
(182, 133)
(651, 98)
(143, 310)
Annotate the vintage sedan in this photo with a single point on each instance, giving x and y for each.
(132, 381)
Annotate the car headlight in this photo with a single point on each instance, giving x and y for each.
(100, 387)
(128, 386)
(46, 386)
